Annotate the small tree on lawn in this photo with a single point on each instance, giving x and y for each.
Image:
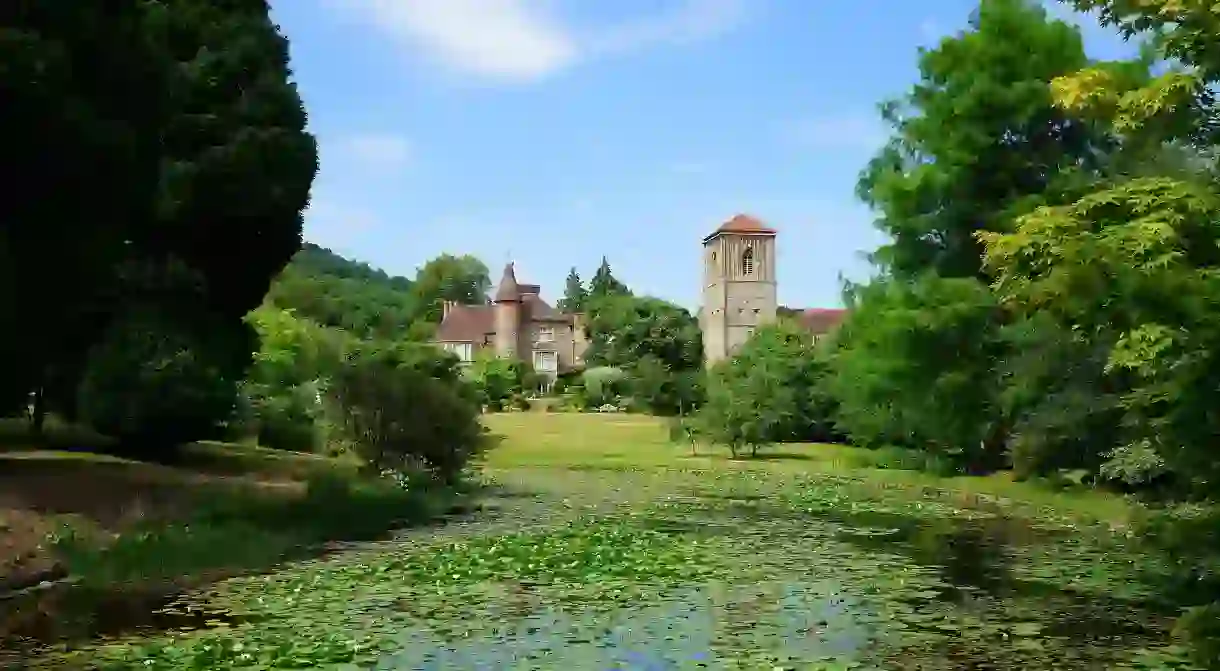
(748, 405)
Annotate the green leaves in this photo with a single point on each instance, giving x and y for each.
(977, 138)
(590, 553)
(770, 391)
(574, 294)
(914, 366)
(405, 406)
(625, 329)
(499, 381)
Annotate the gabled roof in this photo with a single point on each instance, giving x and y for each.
(466, 323)
(536, 309)
(742, 224)
(821, 320)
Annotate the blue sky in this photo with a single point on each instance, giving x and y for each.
(558, 131)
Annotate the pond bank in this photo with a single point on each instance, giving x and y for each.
(617, 552)
(96, 546)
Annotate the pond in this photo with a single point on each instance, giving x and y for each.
(684, 570)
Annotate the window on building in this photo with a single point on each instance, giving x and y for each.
(546, 334)
(545, 362)
(463, 350)
(747, 261)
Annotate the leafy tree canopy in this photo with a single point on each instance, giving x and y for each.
(85, 97)
(625, 329)
(979, 139)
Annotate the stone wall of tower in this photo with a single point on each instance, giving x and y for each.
(712, 312)
(738, 296)
(508, 324)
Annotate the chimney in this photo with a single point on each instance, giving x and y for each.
(446, 308)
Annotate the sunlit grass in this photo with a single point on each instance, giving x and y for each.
(613, 441)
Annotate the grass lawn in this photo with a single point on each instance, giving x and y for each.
(611, 441)
(603, 545)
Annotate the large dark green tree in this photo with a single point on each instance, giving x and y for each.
(915, 368)
(926, 358)
(979, 139)
(237, 162)
(236, 167)
(83, 92)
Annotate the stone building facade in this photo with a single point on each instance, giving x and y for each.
(740, 290)
(739, 295)
(517, 324)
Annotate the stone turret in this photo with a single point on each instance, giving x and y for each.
(507, 314)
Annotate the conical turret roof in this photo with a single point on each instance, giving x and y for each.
(508, 290)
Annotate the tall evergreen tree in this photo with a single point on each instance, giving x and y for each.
(604, 284)
(84, 95)
(574, 293)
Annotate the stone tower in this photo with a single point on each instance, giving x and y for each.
(507, 314)
(738, 285)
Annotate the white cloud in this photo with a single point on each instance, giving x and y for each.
(526, 40)
(510, 39)
(382, 149)
(690, 21)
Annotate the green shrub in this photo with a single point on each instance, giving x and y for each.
(398, 414)
(499, 382)
(602, 385)
(290, 420)
(153, 385)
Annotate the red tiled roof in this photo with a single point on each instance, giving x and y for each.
(466, 323)
(821, 320)
(470, 323)
(742, 223)
(540, 310)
